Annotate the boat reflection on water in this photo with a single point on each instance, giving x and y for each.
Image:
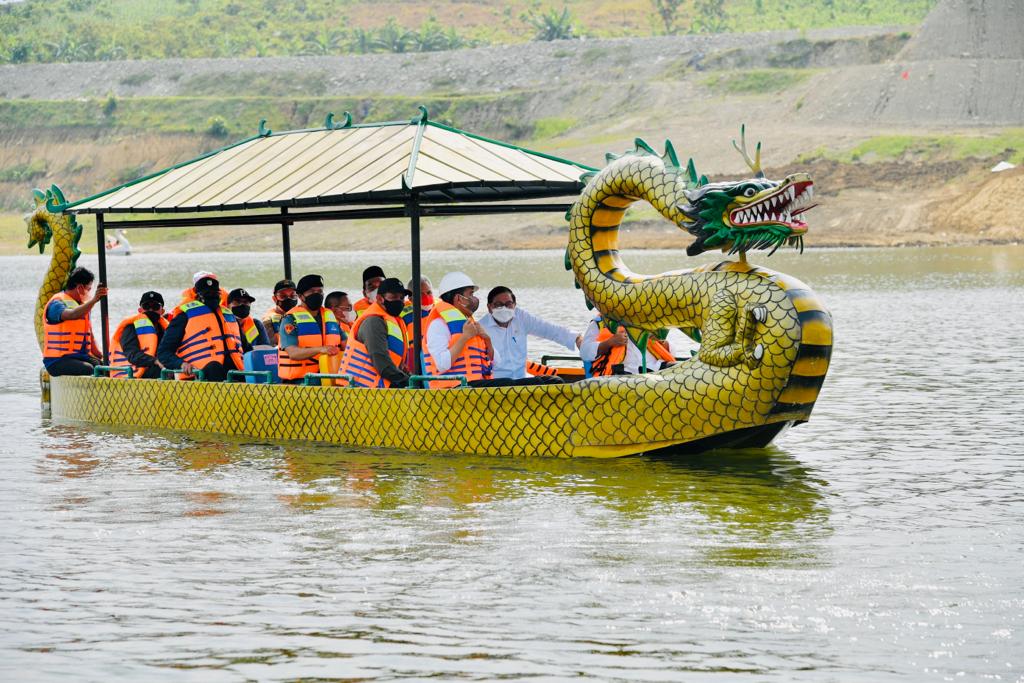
(729, 508)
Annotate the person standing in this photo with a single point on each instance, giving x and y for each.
(202, 335)
(251, 330)
(307, 331)
(285, 299)
(509, 327)
(377, 346)
(137, 338)
(69, 347)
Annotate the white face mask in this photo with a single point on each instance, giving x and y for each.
(503, 315)
(371, 296)
(349, 316)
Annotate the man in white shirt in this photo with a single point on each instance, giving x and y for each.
(508, 326)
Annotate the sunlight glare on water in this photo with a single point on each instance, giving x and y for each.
(880, 541)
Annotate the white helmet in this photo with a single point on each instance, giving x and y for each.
(455, 280)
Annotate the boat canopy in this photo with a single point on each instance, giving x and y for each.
(373, 163)
(411, 169)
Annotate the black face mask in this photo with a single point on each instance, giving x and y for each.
(211, 299)
(242, 310)
(288, 304)
(154, 316)
(314, 301)
(394, 308)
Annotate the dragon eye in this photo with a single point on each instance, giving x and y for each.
(749, 192)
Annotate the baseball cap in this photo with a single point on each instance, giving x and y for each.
(393, 285)
(283, 284)
(240, 295)
(151, 298)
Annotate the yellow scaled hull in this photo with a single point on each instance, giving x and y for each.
(691, 403)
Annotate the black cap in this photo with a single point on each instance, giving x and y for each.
(308, 282)
(283, 284)
(240, 295)
(393, 285)
(372, 272)
(151, 298)
(206, 284)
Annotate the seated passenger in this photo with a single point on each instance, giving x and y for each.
(377, 345)
(285, 299)
(341, 307)
(426, 304)
(189, 294)
(372, 277)
(509, 327)
(251, 330)
(616, 354)
(202, 335)
(136, 339)
(457, 344)
(307, 331)
(68, 345)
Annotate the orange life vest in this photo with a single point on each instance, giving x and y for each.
(310, 333)
(68, 337)
(148, 341)
(248, 330)
(474, 363)
(602, 365)
(204, 341)
(357, 361)
(361, 306)
(273, 316)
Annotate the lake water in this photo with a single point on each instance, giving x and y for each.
(882, 541)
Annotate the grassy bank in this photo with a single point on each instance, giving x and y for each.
(1008, 145)
(91, 30)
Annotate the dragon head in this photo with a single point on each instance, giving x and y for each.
(756, 213)
(39, 223)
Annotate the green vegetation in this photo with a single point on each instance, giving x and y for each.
(98, 30)
(756, 82)
(1007, 145)
(552, 127)
(24, 172)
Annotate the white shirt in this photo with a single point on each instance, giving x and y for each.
(510, 342)
(631, 363)
(438, 339)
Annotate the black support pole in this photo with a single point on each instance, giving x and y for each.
(286, 244)
(101, 251)
(413, 209)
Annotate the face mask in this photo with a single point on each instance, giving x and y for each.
(471, 303)
(394, 308)
(241, 311)
(211, 299)
(503, 315)
(154, 316)
(349, 316)
(427, 300)
(288, 304)
(371, 295)
(314, 301)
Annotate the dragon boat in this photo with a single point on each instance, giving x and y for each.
(765, 338)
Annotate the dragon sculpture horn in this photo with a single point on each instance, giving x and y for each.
(755, 163)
